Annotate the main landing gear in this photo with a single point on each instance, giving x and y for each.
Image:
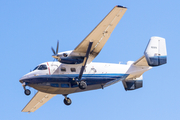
(26, 91)
(67, 101)
(82, 85)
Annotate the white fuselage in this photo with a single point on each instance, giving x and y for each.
(58, 78)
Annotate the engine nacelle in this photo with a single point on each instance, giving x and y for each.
(72, 60)
(69, 57)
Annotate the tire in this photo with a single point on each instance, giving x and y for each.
(67, 101)
(82, 85)
(27, 92)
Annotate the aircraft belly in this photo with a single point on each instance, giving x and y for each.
(63, 85)
(56, 87)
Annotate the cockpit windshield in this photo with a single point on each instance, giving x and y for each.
(35, 68)
(40, 67)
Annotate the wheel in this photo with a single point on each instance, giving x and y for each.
(27, 92)
(82, 85)
(67, 101)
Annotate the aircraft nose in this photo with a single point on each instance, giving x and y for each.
(21, 80)
(24, 78)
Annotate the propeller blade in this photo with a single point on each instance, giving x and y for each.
(53, 50)
(85, 60)
(55, 55)
(57, 47)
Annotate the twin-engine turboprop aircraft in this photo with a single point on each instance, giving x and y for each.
(74, 70)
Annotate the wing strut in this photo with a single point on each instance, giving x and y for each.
(85, 60)
(82, 84)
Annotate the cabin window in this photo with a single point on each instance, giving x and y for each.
(54, 85)
(41, 67)
(65, 85)
(73, 69)
(93, 69)
(63, 69)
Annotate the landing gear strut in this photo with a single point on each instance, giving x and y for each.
(26, 91)
(67, 101)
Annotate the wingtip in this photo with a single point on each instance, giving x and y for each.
(120, 6)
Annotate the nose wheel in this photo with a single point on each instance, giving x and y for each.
(27, 92)
(67, 101)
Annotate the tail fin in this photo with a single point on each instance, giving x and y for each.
(155, 52)
(154, 55)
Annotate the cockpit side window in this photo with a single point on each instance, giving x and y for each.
(42, 67)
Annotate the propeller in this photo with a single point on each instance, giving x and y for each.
(56, 53)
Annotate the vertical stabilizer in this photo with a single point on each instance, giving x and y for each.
(155, 52)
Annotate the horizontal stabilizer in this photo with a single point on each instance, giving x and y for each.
(141, 61)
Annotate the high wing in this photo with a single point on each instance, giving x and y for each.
(37, 101)
(101, 33)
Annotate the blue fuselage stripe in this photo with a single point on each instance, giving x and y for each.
(90, 78)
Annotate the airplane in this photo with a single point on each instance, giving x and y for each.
(73, 71)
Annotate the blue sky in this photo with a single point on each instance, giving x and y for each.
(28, 29)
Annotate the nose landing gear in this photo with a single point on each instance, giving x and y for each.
(26, 91)
(67, 101)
